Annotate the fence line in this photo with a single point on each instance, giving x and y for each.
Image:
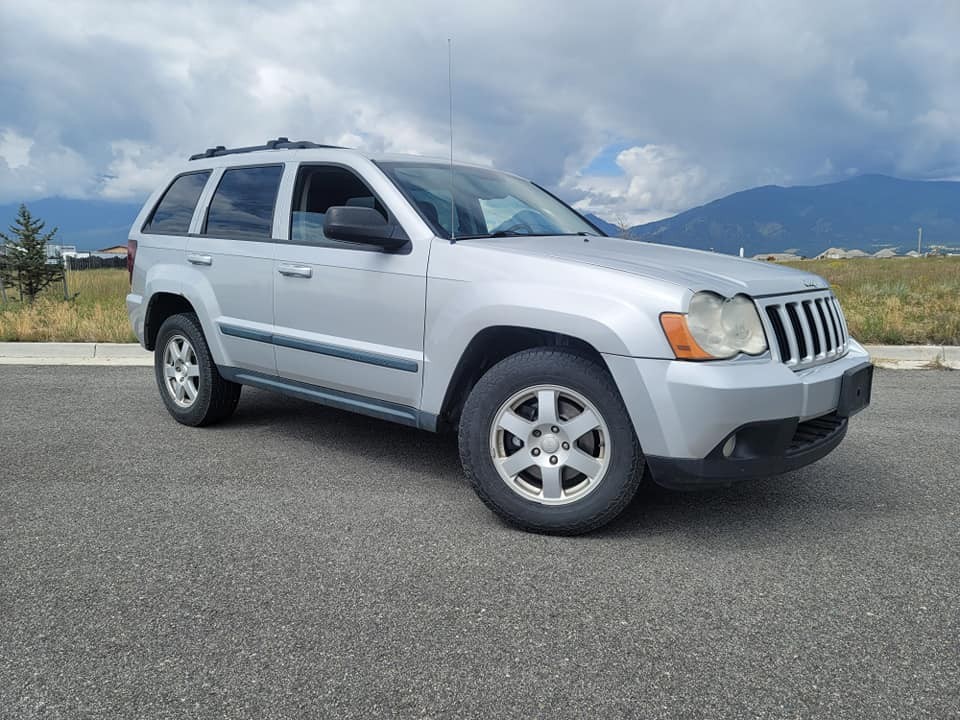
(94, 263)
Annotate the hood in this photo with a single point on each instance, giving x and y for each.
(694, 269)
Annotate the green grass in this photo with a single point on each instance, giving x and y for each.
(896, 301)
(97, 313)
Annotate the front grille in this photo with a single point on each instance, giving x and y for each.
(814, 432)
(806, 329)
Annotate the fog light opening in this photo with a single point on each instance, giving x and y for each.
(730, 445)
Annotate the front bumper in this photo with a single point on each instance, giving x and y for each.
(762, 449)
(684, 413)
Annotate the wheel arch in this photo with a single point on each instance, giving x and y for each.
(161, 306)
(493, 344)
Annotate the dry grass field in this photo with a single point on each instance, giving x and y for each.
(96, 314)
(899, 301)
(896, 301)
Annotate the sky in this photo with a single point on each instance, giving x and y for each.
(631, 110)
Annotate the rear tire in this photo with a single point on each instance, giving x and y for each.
(566, 470)
(190, 384)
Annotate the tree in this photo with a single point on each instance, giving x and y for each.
(623, 227)
(25, 260)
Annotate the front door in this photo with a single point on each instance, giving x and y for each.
(348, 317)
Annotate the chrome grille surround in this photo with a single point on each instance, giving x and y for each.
(804, 329)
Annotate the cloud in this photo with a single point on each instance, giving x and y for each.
(696, 99)
(655, 181)
(136, 170)
(30, 169)
(14, 149)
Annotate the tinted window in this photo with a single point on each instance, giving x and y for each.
(174, 212)
(318, 188)
(243, 203)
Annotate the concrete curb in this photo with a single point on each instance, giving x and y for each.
(14, 353)
(914, 357)
(896, 357)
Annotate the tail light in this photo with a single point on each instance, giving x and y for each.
(131, 257)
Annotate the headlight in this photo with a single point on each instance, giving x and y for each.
(715, 328)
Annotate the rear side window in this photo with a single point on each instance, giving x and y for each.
(174, 212)
(244, 202)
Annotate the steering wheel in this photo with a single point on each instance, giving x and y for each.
(516, 227)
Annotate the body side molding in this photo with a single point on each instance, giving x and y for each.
(387, 361)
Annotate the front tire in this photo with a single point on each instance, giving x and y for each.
(547, 443)
(190, 385)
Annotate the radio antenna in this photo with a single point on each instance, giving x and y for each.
(453, 229)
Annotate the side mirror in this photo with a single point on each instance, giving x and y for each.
(362, 225)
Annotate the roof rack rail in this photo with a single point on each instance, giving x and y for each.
(281, 143)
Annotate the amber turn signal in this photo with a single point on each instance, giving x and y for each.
(678, 334)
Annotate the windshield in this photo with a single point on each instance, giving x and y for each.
(488, 203)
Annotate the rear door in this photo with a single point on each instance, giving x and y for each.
(233, 251)
(349, 317)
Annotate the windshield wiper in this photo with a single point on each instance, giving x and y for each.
(503, 234)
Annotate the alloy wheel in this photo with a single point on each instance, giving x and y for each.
(550, 444)
(181, 372)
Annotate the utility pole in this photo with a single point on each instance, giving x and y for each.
(919, 238)
(66, 266)
(3, 260)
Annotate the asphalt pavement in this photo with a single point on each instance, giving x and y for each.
(302, 562)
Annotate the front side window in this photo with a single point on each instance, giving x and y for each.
(174, 212)
(243, 203)
(319, 188)
(486, 203)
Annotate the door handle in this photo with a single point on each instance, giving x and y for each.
(200, 259)
(303, 271)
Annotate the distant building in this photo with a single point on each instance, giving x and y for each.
(112, 250)
(841, 254)
(61, 250)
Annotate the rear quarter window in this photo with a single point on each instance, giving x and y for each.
(173, 213)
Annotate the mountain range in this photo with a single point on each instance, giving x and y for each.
(868, 212)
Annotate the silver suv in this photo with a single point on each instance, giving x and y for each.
(456, 297)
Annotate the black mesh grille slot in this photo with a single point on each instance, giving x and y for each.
(837, 326)
(797, 329)
(814, 335)
(826, 326)
(779, 331)
(815, 431)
